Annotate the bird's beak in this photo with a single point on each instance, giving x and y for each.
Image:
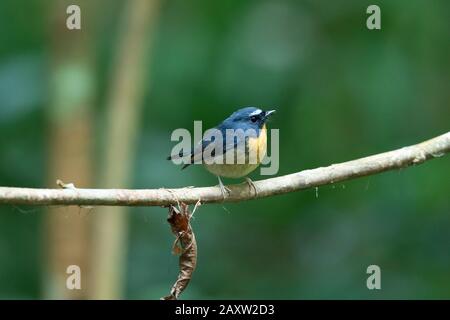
(267, 114)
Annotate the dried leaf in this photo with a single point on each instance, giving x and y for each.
(185, 245)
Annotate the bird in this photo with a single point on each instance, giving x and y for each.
(232, 149)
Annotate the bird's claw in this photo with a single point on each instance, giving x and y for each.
(251, 185)
(225, 191)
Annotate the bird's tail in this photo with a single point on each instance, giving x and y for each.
(176, 156)
(179, 156)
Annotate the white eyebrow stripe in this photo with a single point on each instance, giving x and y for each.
(256, 112)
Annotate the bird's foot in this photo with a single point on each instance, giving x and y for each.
(251, 185)
(225, 191)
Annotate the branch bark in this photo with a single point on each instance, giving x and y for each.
(305, 179)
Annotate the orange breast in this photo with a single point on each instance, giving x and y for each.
(257, 147)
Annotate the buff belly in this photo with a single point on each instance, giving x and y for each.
(257, 145)
(231, 170)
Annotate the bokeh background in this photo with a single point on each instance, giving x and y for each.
(96, 107)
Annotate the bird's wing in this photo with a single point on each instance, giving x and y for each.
(195, 151)
(215, 144)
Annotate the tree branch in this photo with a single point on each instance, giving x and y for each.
(305, 179)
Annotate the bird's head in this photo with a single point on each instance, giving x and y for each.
(248, 118)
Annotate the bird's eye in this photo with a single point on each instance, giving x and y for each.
(253, 118)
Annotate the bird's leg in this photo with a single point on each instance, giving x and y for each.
(225, 191)
(251, 184)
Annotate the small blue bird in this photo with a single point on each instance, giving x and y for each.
(242, 137)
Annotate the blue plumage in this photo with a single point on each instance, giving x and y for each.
(247, 129)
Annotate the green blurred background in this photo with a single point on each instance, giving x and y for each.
(97, 106)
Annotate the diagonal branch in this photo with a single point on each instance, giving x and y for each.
(305, 179)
